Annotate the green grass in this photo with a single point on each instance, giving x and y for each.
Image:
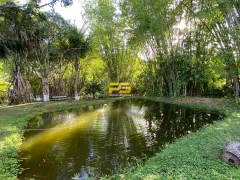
(12, 122)
(195, 156)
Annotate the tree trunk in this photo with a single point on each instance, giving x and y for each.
(174, 92)
(170, 87)
(175, 88)
(45, 84)
(184, 90)
(169, 84)
(45, 79)
(21, 92)
(77, 78)
(237, 89)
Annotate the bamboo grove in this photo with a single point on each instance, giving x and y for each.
(163, 47)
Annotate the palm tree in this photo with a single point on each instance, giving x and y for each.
(78, 48)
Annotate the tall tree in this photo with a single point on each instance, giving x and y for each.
(109, 37)
(78, 46)
(16, 37)
(47, 54)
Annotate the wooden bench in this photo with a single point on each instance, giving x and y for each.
(59, 98)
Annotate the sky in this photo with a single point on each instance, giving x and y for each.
(75, 11)
(72, 13)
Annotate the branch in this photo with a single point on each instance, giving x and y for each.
(51, 3)
(48, 4)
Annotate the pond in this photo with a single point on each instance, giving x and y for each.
(94, 141)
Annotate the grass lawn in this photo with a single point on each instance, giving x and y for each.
(195, 156)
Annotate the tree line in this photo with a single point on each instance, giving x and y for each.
(37, 46)
(163, 47)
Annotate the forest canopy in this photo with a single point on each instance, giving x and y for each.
(162, 47)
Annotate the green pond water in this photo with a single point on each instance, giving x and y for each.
(94, 142)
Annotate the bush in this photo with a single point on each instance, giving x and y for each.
(237, 100)
(92, 88)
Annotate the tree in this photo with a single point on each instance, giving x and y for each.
(109, 38)
(16, 37)
(22, 31)
(47, 54)
(78, 46)
(210, 32)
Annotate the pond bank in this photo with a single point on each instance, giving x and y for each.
(193, 156)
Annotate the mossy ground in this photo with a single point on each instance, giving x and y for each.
(195, 156)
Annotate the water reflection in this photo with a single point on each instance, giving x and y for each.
(93, 142)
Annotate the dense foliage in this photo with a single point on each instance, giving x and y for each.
(163, 48)
(92, 88)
